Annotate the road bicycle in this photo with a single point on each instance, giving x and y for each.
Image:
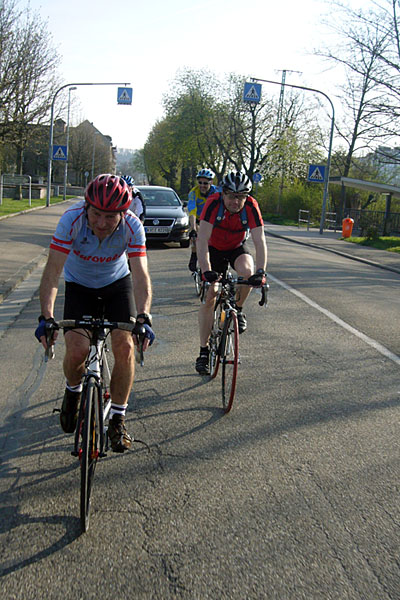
(224, 337)
(91, 436)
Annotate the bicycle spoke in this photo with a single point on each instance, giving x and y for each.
(229, 359)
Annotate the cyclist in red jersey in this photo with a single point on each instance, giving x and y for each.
(224, 223)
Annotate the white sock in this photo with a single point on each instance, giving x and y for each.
(118, 409)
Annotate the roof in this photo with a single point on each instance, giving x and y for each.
(380, 188)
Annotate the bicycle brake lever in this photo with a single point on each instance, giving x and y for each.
(49, 353)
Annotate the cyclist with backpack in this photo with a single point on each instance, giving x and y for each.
(197, 198)
(224, 222)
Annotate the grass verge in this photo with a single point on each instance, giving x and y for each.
(10, 206)
(391, 244)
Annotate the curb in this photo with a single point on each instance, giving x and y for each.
(339, 252)
(22, 273)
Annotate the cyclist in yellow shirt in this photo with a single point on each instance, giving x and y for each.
(197, 198)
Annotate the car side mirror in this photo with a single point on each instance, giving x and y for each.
(185, 203)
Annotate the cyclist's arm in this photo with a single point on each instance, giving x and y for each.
(203, 255)
(141, 283)
(49, 282)
(258, 237)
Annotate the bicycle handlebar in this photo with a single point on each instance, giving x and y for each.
(90, 324)
(236, 280)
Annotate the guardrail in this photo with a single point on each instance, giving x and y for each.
(331, 221)
(302, 214)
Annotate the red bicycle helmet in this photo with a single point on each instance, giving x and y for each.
(109, 192)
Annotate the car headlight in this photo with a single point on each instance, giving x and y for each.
(183, 220)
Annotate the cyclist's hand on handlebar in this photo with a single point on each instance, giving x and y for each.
(144, 334)
(46, 331)
(258, 279)
(210, 276)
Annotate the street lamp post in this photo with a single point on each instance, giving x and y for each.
(328, 166)
(66, 162)
(51, 134)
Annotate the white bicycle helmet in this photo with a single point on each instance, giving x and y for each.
(237, 182)
(206, 173)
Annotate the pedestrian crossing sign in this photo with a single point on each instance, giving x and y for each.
(124, 95)
(316, 173)
(252, 92)
(60, 152)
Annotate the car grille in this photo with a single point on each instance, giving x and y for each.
(159, 222)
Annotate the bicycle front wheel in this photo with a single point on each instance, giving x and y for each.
(230, 359)
(197, 282)
(89, 449)
(215, 339)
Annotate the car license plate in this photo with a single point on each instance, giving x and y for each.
(157, 229)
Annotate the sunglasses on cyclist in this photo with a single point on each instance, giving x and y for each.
(234, 196)
(204, 182)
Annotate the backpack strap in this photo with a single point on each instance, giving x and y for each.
(221, 211)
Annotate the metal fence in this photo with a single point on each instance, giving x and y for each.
(367, 219)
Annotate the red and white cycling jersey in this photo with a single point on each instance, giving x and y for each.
(91, 262)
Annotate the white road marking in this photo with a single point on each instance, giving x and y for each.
(373, 343)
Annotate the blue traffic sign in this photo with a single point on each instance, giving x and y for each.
(60, 152)
(252, 92)
(257, 177)
(124, 95)
(316, 173)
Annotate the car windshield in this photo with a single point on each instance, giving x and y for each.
(159, 197)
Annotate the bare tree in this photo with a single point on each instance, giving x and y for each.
(28, 77)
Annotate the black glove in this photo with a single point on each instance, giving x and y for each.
(193, 234)
(44, 324)
(258, 279)
(145, 318)
(210, 276)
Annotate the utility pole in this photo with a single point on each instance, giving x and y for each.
(279, 130)
(328, 166)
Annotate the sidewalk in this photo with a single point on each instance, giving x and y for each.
(332, 242)
(24, 243)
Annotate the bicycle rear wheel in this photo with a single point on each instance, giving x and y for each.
(89, 448)
(229, 358)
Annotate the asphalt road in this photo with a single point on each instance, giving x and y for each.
(293, 495)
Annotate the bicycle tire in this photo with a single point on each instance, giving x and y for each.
(197, 281)
(230, 359)
(89, 449)
(215, 340)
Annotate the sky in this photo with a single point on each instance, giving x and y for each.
(146, 43)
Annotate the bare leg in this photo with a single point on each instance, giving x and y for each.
(76, 351)
(124, 366)
(244, 267)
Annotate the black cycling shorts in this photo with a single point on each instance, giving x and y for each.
(114, 302)
(221, 259)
